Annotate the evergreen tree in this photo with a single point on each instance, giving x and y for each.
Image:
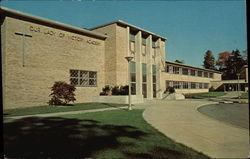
(180, 61)
(209, 61)
(233, 65)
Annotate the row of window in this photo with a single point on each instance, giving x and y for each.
(186, 71)
(186, 85)
(143, 48)
(144, 79)
(143, 40)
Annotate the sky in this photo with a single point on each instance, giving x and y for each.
(191, 27)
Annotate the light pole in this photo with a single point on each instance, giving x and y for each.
(238, 85)
(129, 58)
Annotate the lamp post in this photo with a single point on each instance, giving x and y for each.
(238, 85)
(129, 58)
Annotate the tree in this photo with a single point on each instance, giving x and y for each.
(233, 65)
(245, 55)
(209, 61)
(222, 58)
(62, 93)
(179, 61)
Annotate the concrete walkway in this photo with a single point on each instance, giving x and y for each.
(66, 113)
(180, 121)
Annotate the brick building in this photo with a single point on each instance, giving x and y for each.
(36, 52)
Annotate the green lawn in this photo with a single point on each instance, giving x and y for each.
(244, 95)
(53, 109)
(205, 95)
(117, 134)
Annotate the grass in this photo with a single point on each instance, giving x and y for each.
(116, 134)
(205, 95)
(53, 109)
(244, 95)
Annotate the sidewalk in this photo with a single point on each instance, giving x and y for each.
(65, 113)
(230, 97)
(180, 121)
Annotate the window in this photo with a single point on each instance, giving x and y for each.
(205, 74)
(193, 85)
(167, 84)
(143, 50)
(192, 72)
(143, 41)
(206, 85)
(200, 73)
(200, 85)
(131, 37)
(82, 78)
(177, 84)
(133, 77)
(211, 75)
(154, 80)
(184, 71)
(132, 46)
(185, 85)
(144, 80)
(153, 44)
(176, 70)
(167, 68)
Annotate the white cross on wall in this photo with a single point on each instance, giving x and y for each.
(23, 43)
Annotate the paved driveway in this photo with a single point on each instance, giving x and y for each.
(180, 121)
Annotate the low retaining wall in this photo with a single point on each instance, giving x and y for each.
(120, 99)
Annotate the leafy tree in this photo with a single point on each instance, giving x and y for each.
(209, 61)
(62, 93)
(222, 58)
(179, 61)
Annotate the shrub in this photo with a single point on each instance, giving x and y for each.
(211, 89)
(120, 90)
(106, 90)
(62, 93)
(116, 90)
(124, 90)
(170, 90)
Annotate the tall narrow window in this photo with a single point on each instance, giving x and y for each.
(205, 74)
(154, 80)
(132, 46)
(206, 85)
(193, 85)
(153, 44)
(200, 85)
(143, 41)
(167, 68)
(184, 71)
(132, 43)
(192, 72)
(144, 80)
(185, 85)
(133, 77)
(200, 73)
(211, 75)
(143, 50)
(177, 85)
(176, 70)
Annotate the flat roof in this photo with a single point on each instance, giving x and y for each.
(180, 64)
(120, 22)
(14, 13)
